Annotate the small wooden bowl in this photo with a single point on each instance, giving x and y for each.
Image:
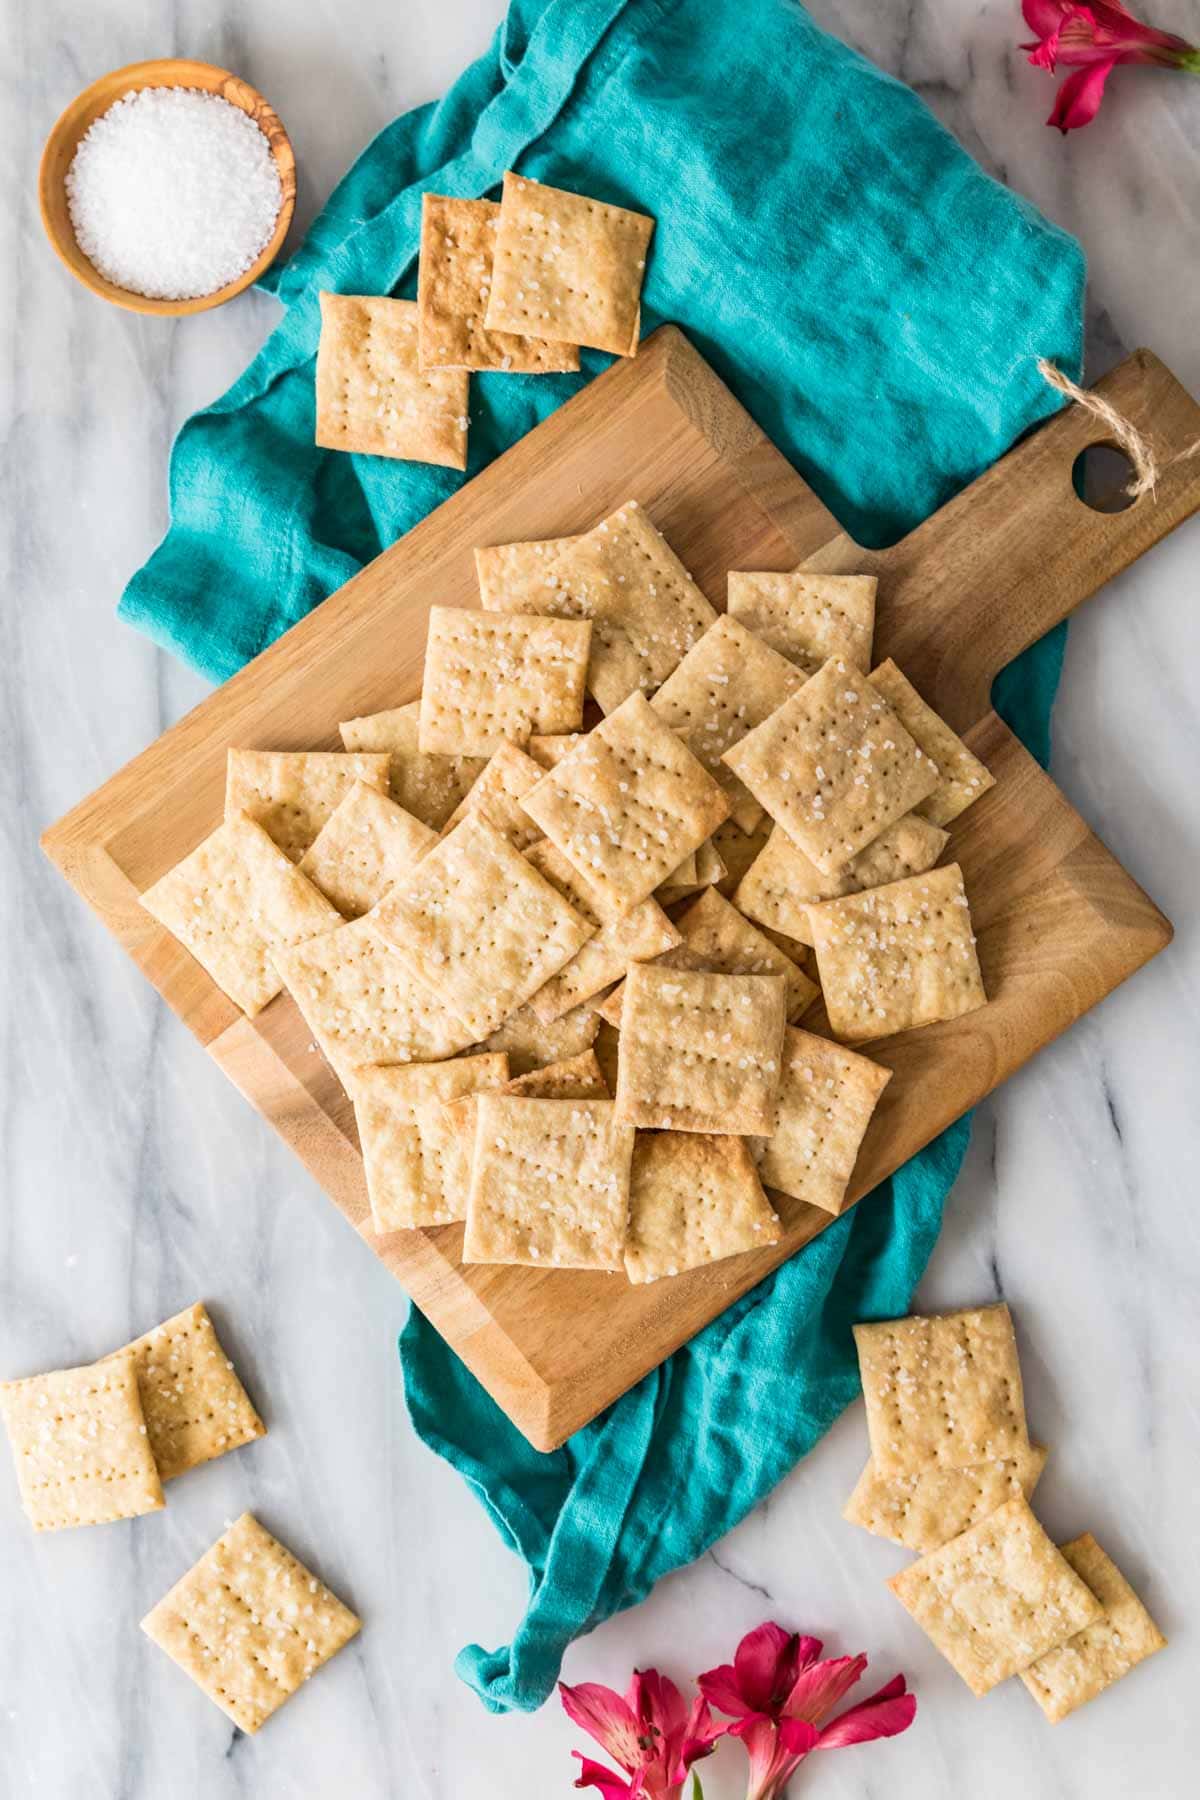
(87, 108)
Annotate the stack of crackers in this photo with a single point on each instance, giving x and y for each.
(950, 1474)
(516, 287)
(556, 924)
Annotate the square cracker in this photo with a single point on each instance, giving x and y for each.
(548, 748)
(646, 610)
(729, 682)
(365, 845)
(249, 1623)
(427, 786)
(897, 957)
(962, 777)
(834, 766)
(808, 617)
(567, 267)
(715, 937)
(454, 279)
(531, 1045)
(362, 1005)
(477, 925)
(498, 793)
(372, 395)
(738, 849)
(825, 1103)
(942, 1390)
(933, 1505)
(781, 884)
(635, 936)
(1101, 1653)
(627, 804)
(293, 793)
(996, 1597)
(234, 903)
(700, 1052)
(80, 1444)
(495, 677)
(575, 1078)
(549, 1183)
(414, 1164)
(693, 1199)
(194, 1405)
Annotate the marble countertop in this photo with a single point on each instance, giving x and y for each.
(135, 1179)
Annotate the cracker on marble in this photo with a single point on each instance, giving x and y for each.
(195, 1406)
(897, 957)
(693, 1199)
(944, 1389)
(498, 793)
(627, 804)
(235, 902)
(834, 766)
(372, 395)
(997, 1597)
(80, 1444)
(477, 925)
(415, 1166)
(806, 616)
(962, 778)
(454, 279)
(530, 1044)
(826, 1099)
(549, 1183)
(636, 936)
(781, 883)
(646, 610)
(729, 682)
(365, 845)
(362, 1005)
(568, 267)
(427, 786)
(933, 1505)
(1125, 1635)
(495, 677)
(700, 1052)
(249, 1623)
(293, 793)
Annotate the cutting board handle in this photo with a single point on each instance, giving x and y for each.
(1019, 550)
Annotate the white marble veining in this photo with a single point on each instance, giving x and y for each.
(134, 1178)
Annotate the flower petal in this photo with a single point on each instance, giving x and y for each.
(1078, 99)
(884, 1714)
(775, 1752)
(698, 1738)
(758, 1662)
(654, 1700)
(720, 1689)
(605, 1716)
(594, 1774)
(818, 1689)
(1044, 16)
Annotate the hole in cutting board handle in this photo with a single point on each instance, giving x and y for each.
(1100, 475)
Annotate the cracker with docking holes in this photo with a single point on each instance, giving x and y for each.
(781, 883)
(700, 1052)
(575, 1078)
(693, 1199)
(636, 936)
(1101, 1653)
(808, 617)
(249, 1624)
(416, 1171)
(962, 778)
(933, 1505)
(454, 279)
(897, 957)
(293, 793)
(364, 846)
(492, 678)
(372, 395)
(194, 1405)
(427, 786)
(826, 1099)
(568, 267)
(549, 1183)
(498, 793)
(530, 1044)
(81, 1446)
(236, 902)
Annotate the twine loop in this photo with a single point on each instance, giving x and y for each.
(1148, 470)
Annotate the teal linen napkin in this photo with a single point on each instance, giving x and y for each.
(877, 303)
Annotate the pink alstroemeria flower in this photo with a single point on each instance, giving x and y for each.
(777, 1691)
(1092, 40)
(650, 1731)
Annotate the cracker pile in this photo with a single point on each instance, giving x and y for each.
(610, 803)
(515, 288)
(950, 1474)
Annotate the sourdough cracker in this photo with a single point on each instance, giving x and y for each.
(693, 1199)
(372, 395)
(194, 1405)
(549, 1183)
(962, 778)
(80, 1445)
(806, 616)
(548, 748)
(475, 924)
(567, 267)
(235, 903)
(249, 1624)
(700, 1052)
(293, 793)
(498, 793)
(1067, 1678)
(897, 957)
(427, 786)
(414, 1166)
(997, 1597)
(530, 1044)
(525, 577)
(708, 872)
(454, 279)
(636, 936)
(781, 883)
(575, 1078)
(495, 677)
(714, 937)
(365, 845)
(738, 850)
(826, 1099)
(932, 1505)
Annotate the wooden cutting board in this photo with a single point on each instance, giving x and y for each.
(1059, 922)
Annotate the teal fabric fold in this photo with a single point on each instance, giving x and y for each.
(878, 304)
